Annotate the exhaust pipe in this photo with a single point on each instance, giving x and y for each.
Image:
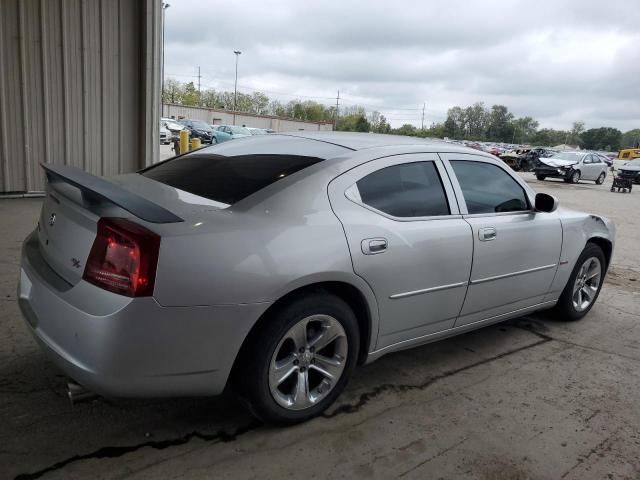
(77, 393)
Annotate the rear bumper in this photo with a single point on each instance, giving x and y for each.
(123, 347)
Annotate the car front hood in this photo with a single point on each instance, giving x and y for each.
(630, 169)
(556, 163)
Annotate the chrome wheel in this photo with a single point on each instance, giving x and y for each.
(586, 284)
(308, 362)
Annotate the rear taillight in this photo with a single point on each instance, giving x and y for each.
(123, 258)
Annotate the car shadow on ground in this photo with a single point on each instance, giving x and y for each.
(40, 420)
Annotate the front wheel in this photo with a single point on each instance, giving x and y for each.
(299, 360)
(575, 176)
(600, 179)
(584, 284)
(541, 177)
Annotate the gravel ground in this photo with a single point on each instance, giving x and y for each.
(530, 398)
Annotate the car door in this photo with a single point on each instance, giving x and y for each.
(586, 168)
(407, 240)
(516, 249)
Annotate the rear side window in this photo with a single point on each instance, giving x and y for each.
(405, 190)
(227, 179)
(487, 188)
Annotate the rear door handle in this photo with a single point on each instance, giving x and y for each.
(371, 246)
(487, 233)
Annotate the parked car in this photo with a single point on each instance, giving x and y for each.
(235, 131)
(276, 264)
(218, 135)
(198, 129)
(631, 170)
(173, 126)
(573, 167)
(165, 134)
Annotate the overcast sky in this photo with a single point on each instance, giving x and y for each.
(557, 61)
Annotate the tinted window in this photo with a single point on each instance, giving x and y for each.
(406, 190)
(487, 188)
(226, 179)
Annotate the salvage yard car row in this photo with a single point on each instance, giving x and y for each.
(207, 133)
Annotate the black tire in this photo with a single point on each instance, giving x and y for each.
(564, 309)
(575, 177)
(600, 179)
(251, 377)
(541, 177)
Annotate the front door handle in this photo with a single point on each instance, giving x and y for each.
(487, 233)
(371, 246)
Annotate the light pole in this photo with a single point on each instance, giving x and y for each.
(164, 7)
(235, 88)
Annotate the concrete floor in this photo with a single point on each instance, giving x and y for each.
(532, 398)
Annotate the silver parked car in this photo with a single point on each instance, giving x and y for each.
(278, 263)
(573, 167)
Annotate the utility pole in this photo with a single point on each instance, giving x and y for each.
(335, 117)
(424, 105)
(199, 97)
(235, 87)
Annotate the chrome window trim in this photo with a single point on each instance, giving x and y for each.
(428, 290)
(512, 274)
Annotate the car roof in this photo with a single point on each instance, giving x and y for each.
(361, 141)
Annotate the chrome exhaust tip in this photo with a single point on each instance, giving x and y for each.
(77, 393)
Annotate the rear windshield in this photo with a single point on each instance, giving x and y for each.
(227, 179)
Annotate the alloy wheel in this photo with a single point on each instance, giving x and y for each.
(600, 179)
(586, 284)
(308, 362)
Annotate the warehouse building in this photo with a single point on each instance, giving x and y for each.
(79, 85)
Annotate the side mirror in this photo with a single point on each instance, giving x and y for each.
(546, 203)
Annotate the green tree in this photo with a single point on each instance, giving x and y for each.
(190, 95)
(631, 139)
(406, 129)
(499, 128)
(362, 125)
(449, 127)
(525, 129)
(574, 134)
(603, 138)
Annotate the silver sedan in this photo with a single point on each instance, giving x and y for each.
(277, 263)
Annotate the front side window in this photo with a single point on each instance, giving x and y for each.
(405, 190)
(487, 188)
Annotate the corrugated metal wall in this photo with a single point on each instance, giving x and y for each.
(225, 117)
(79, 85)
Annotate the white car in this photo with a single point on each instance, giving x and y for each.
(573, 167)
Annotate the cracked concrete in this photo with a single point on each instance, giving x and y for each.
(531, 398)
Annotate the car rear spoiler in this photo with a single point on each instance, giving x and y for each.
(96, 188)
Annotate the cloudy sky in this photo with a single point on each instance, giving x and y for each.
(557, 61)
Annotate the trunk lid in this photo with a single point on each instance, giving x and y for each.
(74, 202)
(65, 232)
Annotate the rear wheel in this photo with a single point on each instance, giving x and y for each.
(600, 179)
(584, 284)
(300, 359)
(541, 177)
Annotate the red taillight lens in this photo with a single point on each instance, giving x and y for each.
(123, 258)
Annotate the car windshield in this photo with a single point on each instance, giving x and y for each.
(240, 131)
(200, 124)
(572, 156)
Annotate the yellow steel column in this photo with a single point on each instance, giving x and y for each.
(184, 141)
(195, 143)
